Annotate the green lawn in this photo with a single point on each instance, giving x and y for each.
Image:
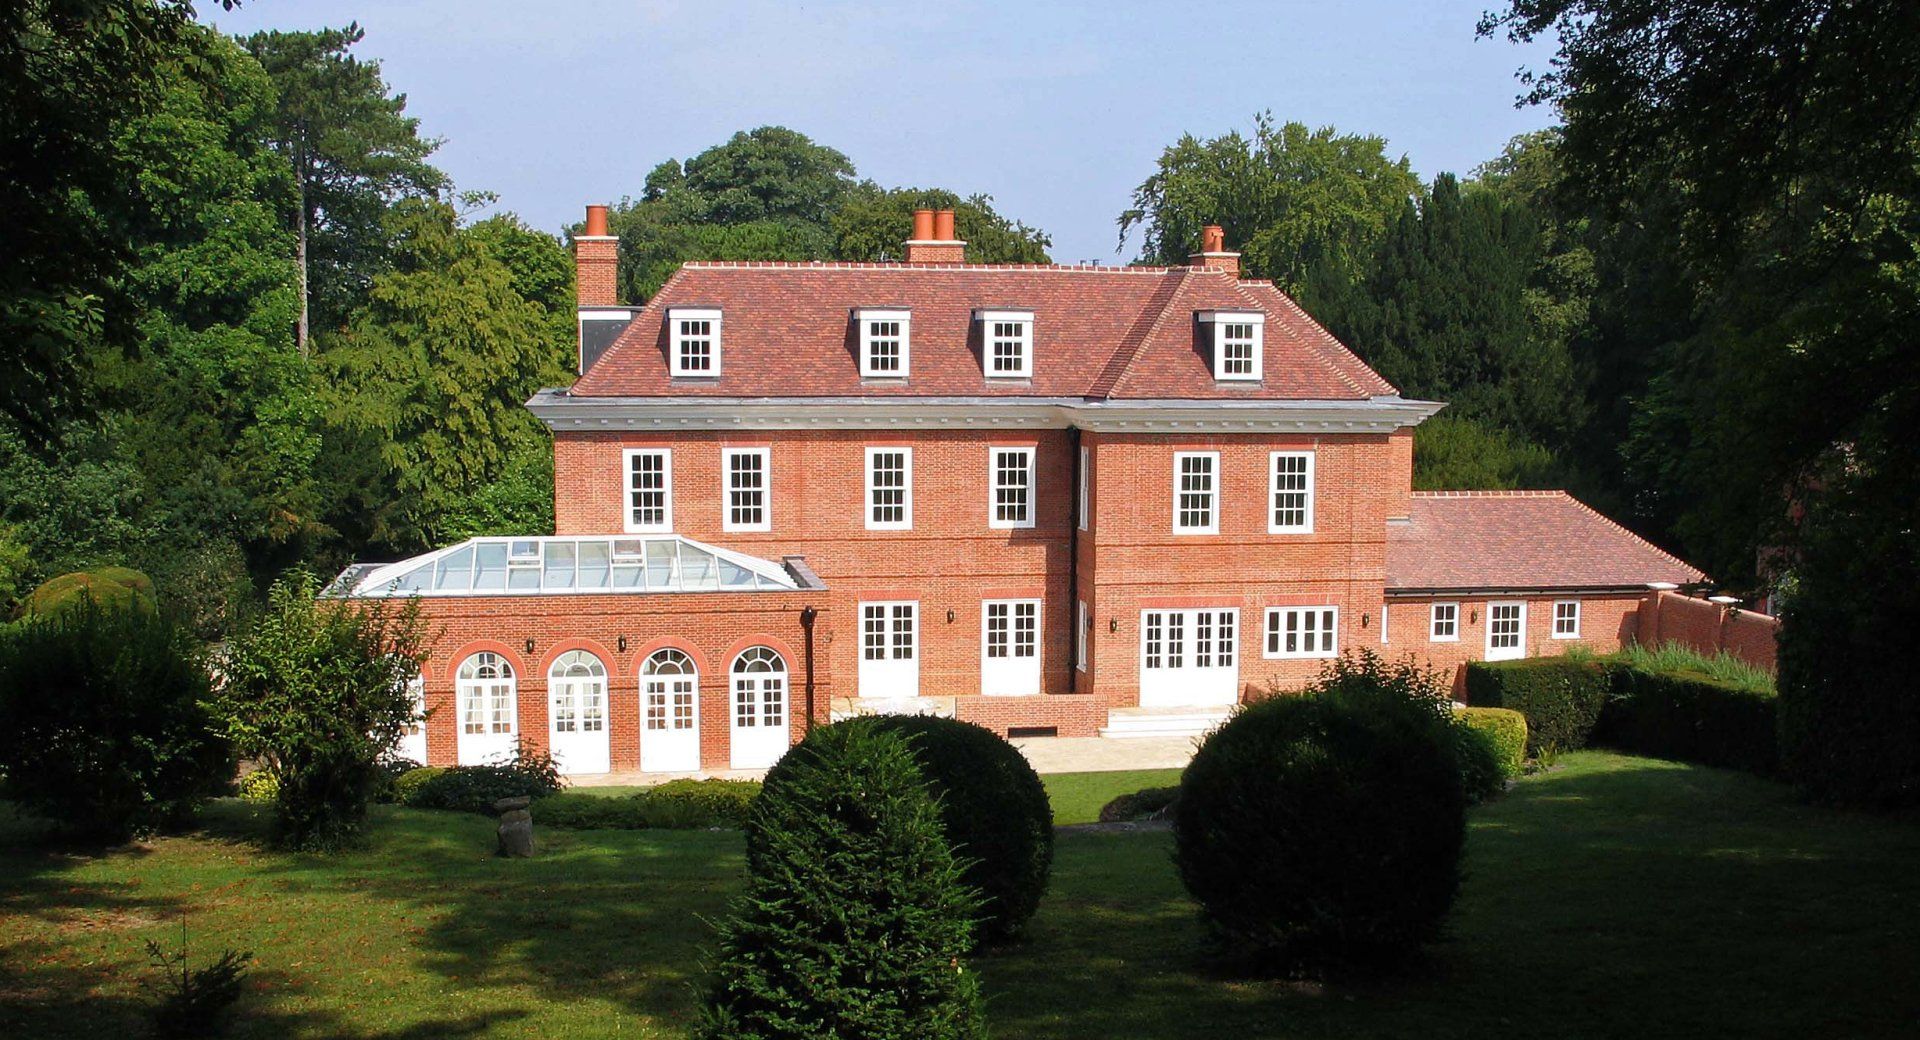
(1614, 897)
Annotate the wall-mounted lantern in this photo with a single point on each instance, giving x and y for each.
(949, 615)
(621, 643)
(529, 647)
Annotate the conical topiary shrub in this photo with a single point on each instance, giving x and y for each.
(856, 914)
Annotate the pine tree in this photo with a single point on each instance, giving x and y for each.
(855, 915)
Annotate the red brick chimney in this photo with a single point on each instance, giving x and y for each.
(596, 255)
(933, 240)
(1213, 254)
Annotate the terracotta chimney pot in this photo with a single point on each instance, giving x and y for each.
(596, 220)
(922, 225)
(943, 225)
(1213, 239)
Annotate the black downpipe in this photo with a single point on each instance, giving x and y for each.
(807, 614)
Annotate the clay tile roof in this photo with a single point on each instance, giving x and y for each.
(1520, 540)
(1120, 332)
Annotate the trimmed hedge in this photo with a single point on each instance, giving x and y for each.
(676, 805)
(1505, 730)
(1153, 803)
(995, 811)
(1694, 718)
(1562, 698)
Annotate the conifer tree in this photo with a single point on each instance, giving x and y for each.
(855, 915)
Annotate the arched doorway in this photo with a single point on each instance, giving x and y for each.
(758, 735)
(577, 713)
(487, 694)
(669, 713)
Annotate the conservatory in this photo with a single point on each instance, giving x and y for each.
(560, 566)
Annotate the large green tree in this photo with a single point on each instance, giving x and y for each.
(1788, 132)
(432, 372)
(1289, 198)
(72, 74)
(354, 152)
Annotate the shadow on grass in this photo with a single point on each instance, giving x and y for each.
(617, 916)
(1616, 897)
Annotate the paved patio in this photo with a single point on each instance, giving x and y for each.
(1048, 755)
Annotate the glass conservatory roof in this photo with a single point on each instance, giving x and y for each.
(549, 566)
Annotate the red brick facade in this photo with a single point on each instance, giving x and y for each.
(1121, 393)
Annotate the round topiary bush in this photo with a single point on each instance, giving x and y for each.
(1323, 831)
(995, 811)
(110, 588)
(855, 915)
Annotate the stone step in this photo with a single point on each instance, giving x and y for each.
(1162, 722)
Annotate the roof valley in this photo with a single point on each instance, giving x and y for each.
(1151, 318)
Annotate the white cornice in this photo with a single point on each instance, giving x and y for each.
(1376, 415)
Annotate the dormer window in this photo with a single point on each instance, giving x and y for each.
(884, 343)
(1237, 346)
(693, 347)
(1007, 343)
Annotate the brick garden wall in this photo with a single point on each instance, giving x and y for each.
(1710, 628)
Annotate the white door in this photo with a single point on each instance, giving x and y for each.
(669, 713)
(890, 650)
(413, 737)
(1506, 631)
(1010, 647)
(486, 691)
(759, 734)
(577, 714)
(1189, 658)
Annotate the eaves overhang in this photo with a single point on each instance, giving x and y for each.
(563, 412)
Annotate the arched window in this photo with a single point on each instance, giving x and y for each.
(487, 687)
(669, 685)
(760, 689)
(577, 683)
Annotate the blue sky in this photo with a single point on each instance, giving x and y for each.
(1055, 109)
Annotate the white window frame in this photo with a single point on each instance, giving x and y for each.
(1518, 650)
(675, 361)
(1081, 633)
(1272, 648)
(666, 491)
(1434, 619)
(727, 490)
(993, 486)
(1212, 525)
(865, 318)
(1274, 526)
(988, 319)
(1573, 632)
(1216, 322)
(1386, 610)
(1085, 490)
(867, 503)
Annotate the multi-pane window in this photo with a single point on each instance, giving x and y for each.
(1082, 633)
(1237, 339)
(1566, 619)
(1012, 504)
(649, 490)
(487, 689)
(889, 489)
(1213, 638)
(694, 349)
(1506, 631)
(884, 343)
(1302, 631)
(746, 506)
(1084, 503)
(1006, 343)
(1196, 492)
(888, 631)
(1292, 493)
(759, 689)
(1012, 628)
(1443, 623)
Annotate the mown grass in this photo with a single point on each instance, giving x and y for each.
(1612, 897)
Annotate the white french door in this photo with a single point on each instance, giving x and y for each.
(1189, 658)
(1010, 647)
(669, 714)
(577, 714)
(890, 650)
(759, 734)
(413, 737)
(486, 693)
(1506, 631)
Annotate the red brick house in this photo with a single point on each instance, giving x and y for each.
(1048, 499)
